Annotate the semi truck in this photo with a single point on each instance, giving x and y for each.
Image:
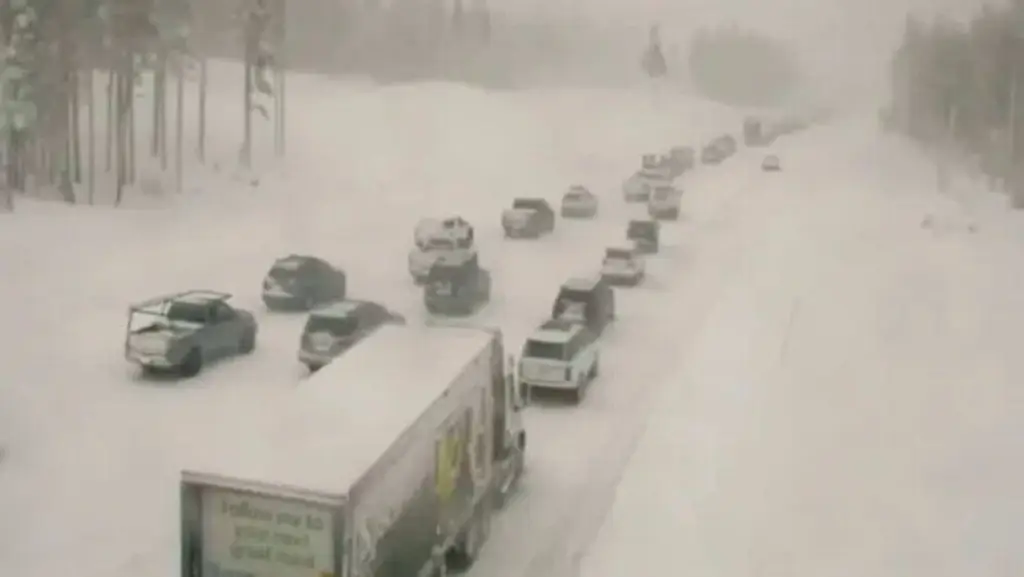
(388, 462)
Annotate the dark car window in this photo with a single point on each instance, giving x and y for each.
(641, 229)
(543, 350)
(289, 269)
(529, 204)
(338, 326)
(182, 311)
(222, 312)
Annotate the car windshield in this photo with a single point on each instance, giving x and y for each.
(618, 254)
(525, 204)
(286, 269)
(576, 194)
(440, 243)
(182, 312)
(544, 350)
(337, 326)
(640, 229)
(663, 193)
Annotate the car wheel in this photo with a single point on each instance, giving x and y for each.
(192, 364)
(248, 343)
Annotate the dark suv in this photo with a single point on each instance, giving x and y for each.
(588, 301)
(337, 327)
(301, 282)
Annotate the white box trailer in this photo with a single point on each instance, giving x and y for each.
(390, 461)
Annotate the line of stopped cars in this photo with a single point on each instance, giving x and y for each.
(182, 333)
(385, 487)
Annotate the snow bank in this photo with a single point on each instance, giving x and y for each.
(853, 407)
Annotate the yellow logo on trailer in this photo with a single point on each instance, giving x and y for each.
(449, 461)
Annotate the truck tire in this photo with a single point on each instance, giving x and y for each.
(192, 364)
(467, 549)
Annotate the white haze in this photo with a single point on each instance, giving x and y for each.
(844, 45)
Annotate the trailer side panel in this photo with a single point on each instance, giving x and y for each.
(424, 487)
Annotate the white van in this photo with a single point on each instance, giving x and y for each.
(560, 356)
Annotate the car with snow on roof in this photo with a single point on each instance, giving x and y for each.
(681, 159)
(528, 218)
(665, 202)
(579, 202)
(654, 171)
(300, 282)
(586, 300)
(560, 357)
(180, 333)
(335, 328)
(434, 237)
(623, 266)
(456, 286)
(645, 235)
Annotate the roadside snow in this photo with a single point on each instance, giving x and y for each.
(853, 407)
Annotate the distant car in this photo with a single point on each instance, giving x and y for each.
(333, 329)
(579, 202)
(645, 235)
(656, 168)
(180, 333)
(728, 144)
(712, 154)
(771, 163)
(560, 356)
(301, 282)
(589, 301)
(682, 159)
(623, 266)
(528, 218)
(436, 237)
(636, 188)
(664, 203)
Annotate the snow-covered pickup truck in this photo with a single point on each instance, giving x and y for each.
(182, 332)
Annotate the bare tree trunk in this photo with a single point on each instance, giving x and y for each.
(279, 88)
(130, 101)
(90, 104)
(154, 145)
(247, 118)
(113, 97)
(121, 121)
(76, 127)
(179, 132)
(163, 115)
(202, 110)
